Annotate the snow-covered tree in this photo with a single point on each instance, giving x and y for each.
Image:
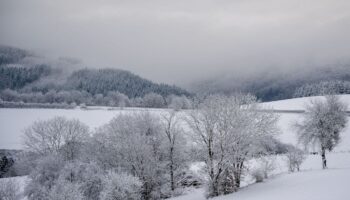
(153, 100)
(230, 130)
(175, 145)
(135, 142)
(56, 135)
(322, 124)
(44, 177)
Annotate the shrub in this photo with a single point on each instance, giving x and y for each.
(119, 186)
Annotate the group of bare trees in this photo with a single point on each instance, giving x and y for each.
(134, 156)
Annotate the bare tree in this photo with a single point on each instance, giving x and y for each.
(175, 144)
(56, 135)
(322, 124)
(136, 142)
(203, 122)
(230, 130)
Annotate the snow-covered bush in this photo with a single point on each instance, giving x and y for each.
(258, 174)
(43, 177)
(120, 186)
(267, 165)
(9, 190)
(295, 158)
(66, 190)
(87, 176)
(264, 165)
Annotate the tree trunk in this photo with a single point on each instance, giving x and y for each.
(324, 161)
(237, 173)
(214, 184)
(172, 181)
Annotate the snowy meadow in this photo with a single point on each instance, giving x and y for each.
(265, 174)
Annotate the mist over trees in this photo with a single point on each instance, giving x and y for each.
(280, 84)
(28, 79)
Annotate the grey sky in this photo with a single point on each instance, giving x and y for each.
(180, 41)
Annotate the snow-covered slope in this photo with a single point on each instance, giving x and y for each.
(310, 183)
(297, 103)
(13, 121)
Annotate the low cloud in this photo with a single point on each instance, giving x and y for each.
(184, 40)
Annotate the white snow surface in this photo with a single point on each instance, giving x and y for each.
(13, 121)
(298, 103)
(311, 183)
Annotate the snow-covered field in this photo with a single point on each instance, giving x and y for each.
(13, 121)
(310, 183)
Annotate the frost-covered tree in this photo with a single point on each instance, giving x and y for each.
(203, 122)
(175, 145)
(87, 177)
(250, 132)
(56, 135)
(135, 142)
(43, 177)
(178, 102)
(153, 100)
(230, 130)
(322, 124)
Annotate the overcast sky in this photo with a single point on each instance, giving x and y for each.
(179, 41)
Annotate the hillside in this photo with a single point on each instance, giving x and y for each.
(281, 83)
(33, 79)
(297, 103)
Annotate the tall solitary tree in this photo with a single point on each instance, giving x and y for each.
(322, 124)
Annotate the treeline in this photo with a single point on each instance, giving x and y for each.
(73, 98)
(102, 81)
(25, 78)
(16, 77)
(323, 88)
(277, 85)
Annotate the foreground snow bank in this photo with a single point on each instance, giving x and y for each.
(318, 184)
(311, 183)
